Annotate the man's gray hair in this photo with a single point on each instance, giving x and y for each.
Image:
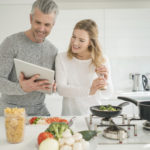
(45, 6)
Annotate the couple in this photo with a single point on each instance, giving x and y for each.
(80, 72)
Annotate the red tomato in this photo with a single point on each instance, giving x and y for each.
(48, 120)
(55, 119)
(64, 120)
(44, 135)
(32, 120)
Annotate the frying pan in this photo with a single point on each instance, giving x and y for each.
(107, 114)
(144, 107)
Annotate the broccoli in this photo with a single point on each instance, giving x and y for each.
(57, 129)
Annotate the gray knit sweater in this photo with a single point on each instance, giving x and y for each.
(19, 46)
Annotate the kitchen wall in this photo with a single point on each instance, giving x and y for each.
(124, 31)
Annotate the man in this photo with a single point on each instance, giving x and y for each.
(30, 46)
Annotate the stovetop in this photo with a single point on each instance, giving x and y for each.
(143, 135)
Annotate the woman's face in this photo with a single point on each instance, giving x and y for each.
(80, 42)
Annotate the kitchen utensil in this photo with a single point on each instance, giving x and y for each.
(146, 81)
(107, 114)
(144, 107)
(137, 82)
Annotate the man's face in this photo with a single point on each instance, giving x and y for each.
(41, 25)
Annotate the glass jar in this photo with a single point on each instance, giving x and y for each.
(14, 124)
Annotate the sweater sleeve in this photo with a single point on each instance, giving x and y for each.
(7, 53)
(109, 89)
(63, 88)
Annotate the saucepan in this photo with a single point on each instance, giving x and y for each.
(144, 107)
(107, 114)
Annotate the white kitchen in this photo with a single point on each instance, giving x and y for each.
(124, 33)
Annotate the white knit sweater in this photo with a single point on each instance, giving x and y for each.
(74, 78)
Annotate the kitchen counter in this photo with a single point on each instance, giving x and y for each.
(137, 95)
(32, 131)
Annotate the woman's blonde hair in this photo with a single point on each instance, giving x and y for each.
(91, 28)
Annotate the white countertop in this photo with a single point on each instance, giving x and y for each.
(138, 94)
(32, 131)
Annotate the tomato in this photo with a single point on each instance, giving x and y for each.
(64, 120)
(32, 120)
(56, 119)
(44, 135)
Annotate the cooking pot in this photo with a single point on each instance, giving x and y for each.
(107, 114)
(144, 107)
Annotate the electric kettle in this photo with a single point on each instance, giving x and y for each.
(138, 80)
(146, 81)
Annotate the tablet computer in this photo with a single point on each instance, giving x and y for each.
(30, 69)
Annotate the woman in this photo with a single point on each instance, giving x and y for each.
(82, 72)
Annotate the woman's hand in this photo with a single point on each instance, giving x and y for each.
(102, 71)
(98, 83)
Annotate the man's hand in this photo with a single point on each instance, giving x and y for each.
(32, 84)
(54, 87)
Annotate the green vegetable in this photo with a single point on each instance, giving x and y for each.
(36, 120)
(88, 134)
(57, 129)
(107, 108)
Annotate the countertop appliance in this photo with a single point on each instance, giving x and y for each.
(137, 82)
(146, 81)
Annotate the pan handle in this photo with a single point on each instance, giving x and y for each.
(128, 99)
(123, 104)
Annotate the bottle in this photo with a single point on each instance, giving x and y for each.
(102, 76)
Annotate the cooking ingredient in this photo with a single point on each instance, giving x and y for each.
(77, 136)
(88, 134)
(66, 147)
(69, 140)
(49, 144)
(57, 129)
(56, 119)
(42, 120)
(44, 135)
(107, 108)
(34, 120)
(77, 146)
(61, 141)
(73, 142)
(14, 124)
(67, 133)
